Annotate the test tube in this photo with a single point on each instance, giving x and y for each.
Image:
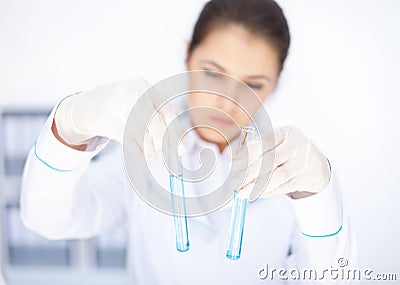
(239, 206)
(178, 203)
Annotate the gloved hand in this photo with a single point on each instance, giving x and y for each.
(299, 168)
(104, 112)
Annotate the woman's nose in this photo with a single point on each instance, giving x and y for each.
(227, 104)
(229, 100)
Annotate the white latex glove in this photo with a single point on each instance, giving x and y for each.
(104, 112)
(299, 168)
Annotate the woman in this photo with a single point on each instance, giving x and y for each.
(65, 195)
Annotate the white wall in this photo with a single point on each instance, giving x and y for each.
(53, 48)
(340, 84)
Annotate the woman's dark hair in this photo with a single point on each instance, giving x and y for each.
(260, 17)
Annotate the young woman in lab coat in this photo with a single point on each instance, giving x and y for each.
(298, 222)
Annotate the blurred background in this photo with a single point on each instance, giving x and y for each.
(340, 85)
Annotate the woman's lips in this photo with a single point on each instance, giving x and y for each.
(222, 121)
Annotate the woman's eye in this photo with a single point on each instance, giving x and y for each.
(257, 86)
(212, 73)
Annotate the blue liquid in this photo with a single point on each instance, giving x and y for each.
(179, 210)
(236, 228)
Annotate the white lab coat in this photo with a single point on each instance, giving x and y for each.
(66, 195)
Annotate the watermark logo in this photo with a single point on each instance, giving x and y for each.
(343, 262)
(339, 272)
(194, 97)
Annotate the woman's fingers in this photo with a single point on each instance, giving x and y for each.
(287, 168)
(247, 155)
(283, 176)
(163, 133)
(298, 166)
(253, 151)
(148, 136)
(287, 142)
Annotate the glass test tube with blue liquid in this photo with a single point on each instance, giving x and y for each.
(178, 202)
(239, 206)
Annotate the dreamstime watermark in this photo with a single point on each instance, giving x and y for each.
(339, 272)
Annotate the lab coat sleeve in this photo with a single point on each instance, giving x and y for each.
(323, 239)
(64, 195)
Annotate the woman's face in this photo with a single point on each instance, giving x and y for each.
(231, 49)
